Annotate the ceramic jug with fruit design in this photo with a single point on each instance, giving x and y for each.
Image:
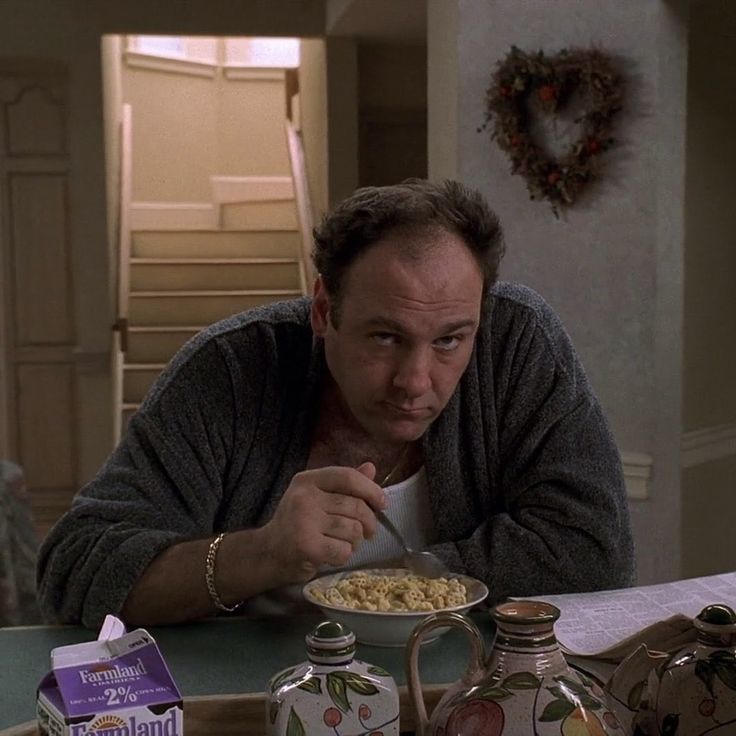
(332, 692)
(523, 688)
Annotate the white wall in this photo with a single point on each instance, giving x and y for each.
(612, 265)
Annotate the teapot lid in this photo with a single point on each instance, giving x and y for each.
(330, 642)
(716, 618)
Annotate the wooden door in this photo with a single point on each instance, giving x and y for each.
(37, 328)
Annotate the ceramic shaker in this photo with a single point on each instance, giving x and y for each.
(332, 692)
(524, 688)
(693, 692)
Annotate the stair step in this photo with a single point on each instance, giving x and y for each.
(165, 308)
(137, 379)
(157, 344)
(216, 244)
(213, 273)
(259, 216)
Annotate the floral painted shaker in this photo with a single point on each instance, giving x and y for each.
(332, 692)
(693, 692)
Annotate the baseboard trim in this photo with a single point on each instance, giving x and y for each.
(708, 444)
(637, 474)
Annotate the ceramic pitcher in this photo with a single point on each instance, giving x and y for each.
(693, 692)
(524, 688)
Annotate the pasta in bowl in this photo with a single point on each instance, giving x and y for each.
(382, 607)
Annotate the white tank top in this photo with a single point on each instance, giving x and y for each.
(409, 510)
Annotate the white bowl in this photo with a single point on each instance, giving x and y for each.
(387, 628)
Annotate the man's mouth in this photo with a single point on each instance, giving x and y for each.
(412, 412)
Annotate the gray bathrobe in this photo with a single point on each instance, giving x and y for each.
(525, 481)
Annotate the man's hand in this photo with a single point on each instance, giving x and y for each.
(321, 519)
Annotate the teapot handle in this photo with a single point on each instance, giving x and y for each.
(474, 669)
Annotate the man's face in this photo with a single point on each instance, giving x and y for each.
(405, 332)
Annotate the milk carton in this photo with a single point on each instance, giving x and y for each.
(118, 685)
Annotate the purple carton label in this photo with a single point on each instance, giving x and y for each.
(132, 723)
(137, 679)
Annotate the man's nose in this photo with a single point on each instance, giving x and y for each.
(413, 373)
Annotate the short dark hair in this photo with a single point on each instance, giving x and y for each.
(414, 206)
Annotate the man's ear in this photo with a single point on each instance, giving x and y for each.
(320, 312)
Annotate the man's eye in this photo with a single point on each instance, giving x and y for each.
(448, 342)
(384, 338)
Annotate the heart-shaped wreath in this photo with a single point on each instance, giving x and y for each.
(590, 75)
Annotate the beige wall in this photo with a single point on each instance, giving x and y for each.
(252, 137)
(313, 110)
(187, 128)
(709, 389)
(174, 150)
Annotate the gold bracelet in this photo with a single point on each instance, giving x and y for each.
(209, 575)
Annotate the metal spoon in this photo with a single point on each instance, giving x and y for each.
(420, 563)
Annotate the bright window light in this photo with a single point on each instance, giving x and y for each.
(161, 45)
(262, 52)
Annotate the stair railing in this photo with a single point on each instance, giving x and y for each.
(120, 327)
(295, 145)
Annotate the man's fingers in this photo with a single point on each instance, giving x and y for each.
(348, 481)
(368, 470)
(344, 528)
(351, 508)
(337, 552)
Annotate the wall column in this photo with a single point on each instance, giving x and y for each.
(611, 266)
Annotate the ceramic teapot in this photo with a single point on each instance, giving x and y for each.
(524, 688)
(693, 691)
(627, 686)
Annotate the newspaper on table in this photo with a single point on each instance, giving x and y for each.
(598, 630)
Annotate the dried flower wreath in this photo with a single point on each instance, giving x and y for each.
(588, 73)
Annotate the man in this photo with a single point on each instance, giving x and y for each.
(260, 454)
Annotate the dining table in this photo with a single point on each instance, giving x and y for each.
(222, 667)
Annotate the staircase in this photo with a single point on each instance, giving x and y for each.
(176, 290)
(185, 265)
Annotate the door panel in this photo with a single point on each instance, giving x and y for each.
(37, 328)
(45, 406)
(41, 259)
